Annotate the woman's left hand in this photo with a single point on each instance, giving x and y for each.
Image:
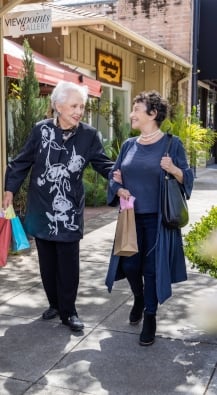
(167, 164)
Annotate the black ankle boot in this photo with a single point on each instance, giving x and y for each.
(137, 310)
(147, 335)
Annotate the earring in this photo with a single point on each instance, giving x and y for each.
(57, 114)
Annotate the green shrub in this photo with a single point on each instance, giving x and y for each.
(95, 188)
(193, 243)
(194, 137)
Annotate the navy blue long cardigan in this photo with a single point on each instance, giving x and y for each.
(170, 259)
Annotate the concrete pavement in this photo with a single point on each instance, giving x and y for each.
(45, 358)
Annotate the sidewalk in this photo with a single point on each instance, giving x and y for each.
(45, 358)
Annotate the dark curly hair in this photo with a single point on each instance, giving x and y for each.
(153, 102)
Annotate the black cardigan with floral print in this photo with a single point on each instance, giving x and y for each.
(56, 197)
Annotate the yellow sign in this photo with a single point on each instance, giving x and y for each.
(108, 68)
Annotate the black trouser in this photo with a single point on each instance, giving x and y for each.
(59, 268)
(142, 267)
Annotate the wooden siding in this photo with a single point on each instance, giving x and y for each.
(79, 50)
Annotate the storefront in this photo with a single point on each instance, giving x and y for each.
(5, 7)
(47, 71)
(79, 39)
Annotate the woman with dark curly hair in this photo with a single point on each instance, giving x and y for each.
(141, 163)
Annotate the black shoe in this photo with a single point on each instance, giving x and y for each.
(74, 323)
(147, 335)
(137, 310)
(50, 313)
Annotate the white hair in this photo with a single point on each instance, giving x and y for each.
(62, 89)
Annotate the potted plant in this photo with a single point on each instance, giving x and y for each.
(195, 138)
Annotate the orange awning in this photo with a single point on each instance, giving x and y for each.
(47, 71)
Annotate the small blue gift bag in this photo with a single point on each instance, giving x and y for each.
(19, 238)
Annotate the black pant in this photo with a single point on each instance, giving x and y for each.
(141, 267)
(59, 268)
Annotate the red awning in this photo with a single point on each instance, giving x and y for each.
(47, 71)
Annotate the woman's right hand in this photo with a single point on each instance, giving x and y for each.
(124, 193)
(7, 199)
(117, 176)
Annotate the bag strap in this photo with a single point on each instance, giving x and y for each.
(170, 136)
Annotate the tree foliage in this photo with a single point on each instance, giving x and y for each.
(195, 138)
(27, 109)
(27, 106)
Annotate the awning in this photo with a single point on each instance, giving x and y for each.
(47, 71)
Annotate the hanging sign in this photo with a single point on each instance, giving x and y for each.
(108, 68)
(27, 22)
(73, 3)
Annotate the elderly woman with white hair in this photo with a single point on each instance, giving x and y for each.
(57, 151)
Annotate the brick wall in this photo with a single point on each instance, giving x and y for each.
(165, 22)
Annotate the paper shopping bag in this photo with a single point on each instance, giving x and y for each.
(5, 240)
(19, 238)
(125, 243)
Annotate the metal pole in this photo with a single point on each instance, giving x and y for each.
(196, 24)
(194, 90)
(3, 159)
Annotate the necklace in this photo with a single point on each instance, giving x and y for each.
(67, 133)
(150, 136)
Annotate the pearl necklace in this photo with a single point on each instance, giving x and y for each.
(150, 136)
